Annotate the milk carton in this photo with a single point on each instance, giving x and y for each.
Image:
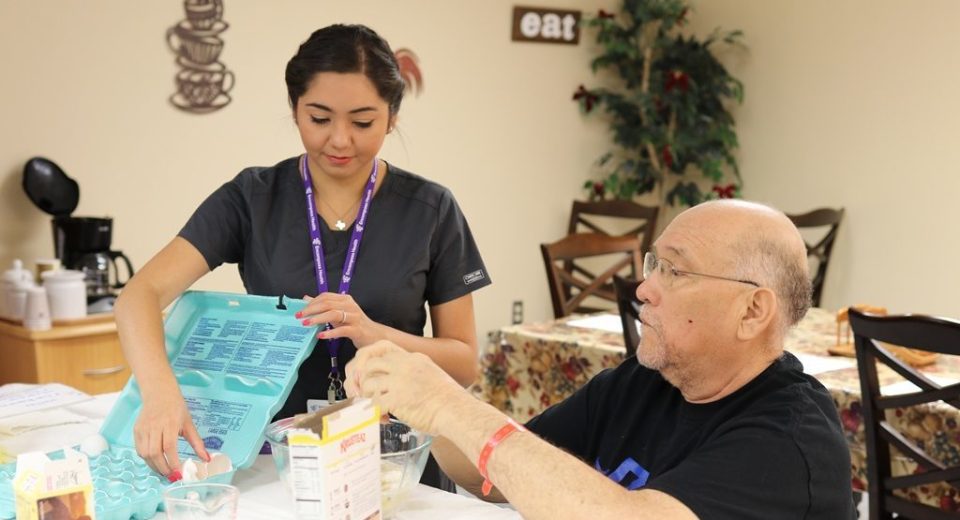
(46, 488)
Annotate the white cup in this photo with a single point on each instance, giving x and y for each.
(199, 500)
(67, 292)
(45, 264)
(37, 313)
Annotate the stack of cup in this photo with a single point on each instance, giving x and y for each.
(43, 265)
(36, 316)
(13, 291)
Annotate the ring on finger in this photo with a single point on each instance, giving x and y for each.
(343, 316)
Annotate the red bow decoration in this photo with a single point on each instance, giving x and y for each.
(677, 79)
(588, 97)
(725, 192)
(605, 15)
(409, 66)
(667, 156)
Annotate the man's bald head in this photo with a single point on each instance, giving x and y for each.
(764, 246)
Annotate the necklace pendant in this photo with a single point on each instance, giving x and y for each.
(340, 225)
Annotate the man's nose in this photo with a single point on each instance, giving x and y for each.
(647, 292)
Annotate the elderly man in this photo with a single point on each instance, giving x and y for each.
(712, 419)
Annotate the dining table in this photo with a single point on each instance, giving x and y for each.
(526, 368)
(262, 495)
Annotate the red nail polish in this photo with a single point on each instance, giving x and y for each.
(320, 335)
(174, 476)
(306, 322)
(299, 314)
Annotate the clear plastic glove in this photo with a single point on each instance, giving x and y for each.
(346, 317)
(159, 425)
(408, 385)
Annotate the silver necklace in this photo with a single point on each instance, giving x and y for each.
(340, 224)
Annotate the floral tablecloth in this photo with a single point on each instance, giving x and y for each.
(527, 368)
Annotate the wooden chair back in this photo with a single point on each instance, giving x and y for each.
(924, 333)
(569, 287)
(644, 217)
(629, 308)
(820, 250)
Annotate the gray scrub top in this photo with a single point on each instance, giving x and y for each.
(417, 248)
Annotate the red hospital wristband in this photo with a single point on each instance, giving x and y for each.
(495, 439)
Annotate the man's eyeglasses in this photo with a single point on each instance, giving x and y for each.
(668, 273)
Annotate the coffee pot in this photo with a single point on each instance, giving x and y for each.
(101, 273)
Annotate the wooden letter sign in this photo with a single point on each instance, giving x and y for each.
(533, 24)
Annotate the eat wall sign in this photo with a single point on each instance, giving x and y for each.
(534, 24)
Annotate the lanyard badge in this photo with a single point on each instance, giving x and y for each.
(335, 390)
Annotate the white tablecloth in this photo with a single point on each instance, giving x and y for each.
(261, 494)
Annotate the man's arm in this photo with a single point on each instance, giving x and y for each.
(540, 480)
(459, 468)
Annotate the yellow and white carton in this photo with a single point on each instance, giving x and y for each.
(48, 488)
(335, 462)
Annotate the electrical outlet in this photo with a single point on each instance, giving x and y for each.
(517, 312)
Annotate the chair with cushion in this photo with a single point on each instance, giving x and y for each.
(629, 308)
(921, 333)
(570, 288)
(820, 250)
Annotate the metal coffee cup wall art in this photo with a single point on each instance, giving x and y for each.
(203, 82)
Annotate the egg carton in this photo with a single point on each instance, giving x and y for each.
(236, 358)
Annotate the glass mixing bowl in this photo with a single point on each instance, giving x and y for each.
(403, 454)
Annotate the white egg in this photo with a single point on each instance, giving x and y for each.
(219, 463)
(189, 471)
(94, 445)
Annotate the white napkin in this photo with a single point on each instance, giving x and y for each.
(20, 424)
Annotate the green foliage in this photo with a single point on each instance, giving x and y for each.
(670, 115)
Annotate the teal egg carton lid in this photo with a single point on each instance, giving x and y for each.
(236, 358)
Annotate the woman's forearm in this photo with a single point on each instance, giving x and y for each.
(139, 313)
(140, 327)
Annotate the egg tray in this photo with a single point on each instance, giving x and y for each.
(124, 486)
(236, 358)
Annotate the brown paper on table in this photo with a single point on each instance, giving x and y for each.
(844, 347)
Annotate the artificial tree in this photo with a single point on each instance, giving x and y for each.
(669, 116)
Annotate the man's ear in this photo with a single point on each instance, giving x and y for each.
(760, 314)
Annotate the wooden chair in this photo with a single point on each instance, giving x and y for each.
(569, 288)
(820, 251)
(646, 217)
(921, 333)
(629, 307)
(611, 217)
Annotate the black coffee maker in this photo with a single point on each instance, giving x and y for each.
(81, 243)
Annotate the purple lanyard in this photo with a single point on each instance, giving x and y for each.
(319, 265)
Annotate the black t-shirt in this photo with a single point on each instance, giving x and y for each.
(416, 248)
(772, 449)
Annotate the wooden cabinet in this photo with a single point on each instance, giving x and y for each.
(84, 354)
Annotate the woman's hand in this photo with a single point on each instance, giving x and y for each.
(157, 429)
(346, 317)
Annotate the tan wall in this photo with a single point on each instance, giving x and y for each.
(86, 84)
(855, 104)
(848, 103)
